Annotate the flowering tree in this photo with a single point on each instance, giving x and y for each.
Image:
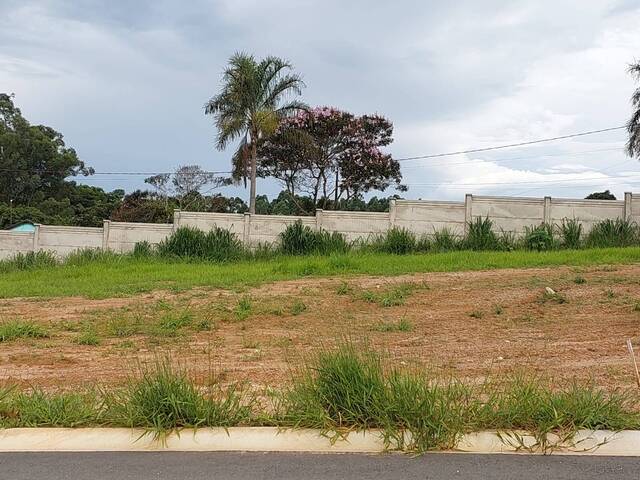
(330, 155)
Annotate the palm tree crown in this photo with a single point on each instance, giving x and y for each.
(250, 105)
(633, 126)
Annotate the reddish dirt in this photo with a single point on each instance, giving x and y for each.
(465, 324)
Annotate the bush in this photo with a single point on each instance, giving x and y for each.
(539, 238)
(28, 261)
(300, 239)
(480, 235)
(613, 233)
(507, 241)
(571, 233)
(221, 245)
(398, 241)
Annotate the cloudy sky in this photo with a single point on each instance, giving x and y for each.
(126, 81)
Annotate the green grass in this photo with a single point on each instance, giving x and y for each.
(15, 329)
(402, 325)
(339, 390)
(129, 276)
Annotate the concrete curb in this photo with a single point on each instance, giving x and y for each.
(270, 439)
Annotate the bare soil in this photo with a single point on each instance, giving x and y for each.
(469, 325)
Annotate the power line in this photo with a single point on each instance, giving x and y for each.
(531, 182)
(510, 145)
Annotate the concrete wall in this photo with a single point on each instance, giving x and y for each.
(423, 217)
(121, 237)
(15, 242)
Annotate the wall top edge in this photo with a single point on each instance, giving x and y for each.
(69, 228)
(141, 225)
(429, 202)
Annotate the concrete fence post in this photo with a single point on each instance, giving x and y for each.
(546, 215)
(246, 230)
(176, 219)
(468, 211)
(106, 228)
(36, 237)
(393, 211)
(628, 199)
(318, 219)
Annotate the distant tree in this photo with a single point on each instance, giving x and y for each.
(606, 195)
(249, 108)
(185, 184)
(633, 126)
(34, 160)
(145, 207)
(330, 155)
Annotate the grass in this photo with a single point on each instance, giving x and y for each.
(129, 276)
(15, 329)
(347, 388)
(402, 325)
(88, 337)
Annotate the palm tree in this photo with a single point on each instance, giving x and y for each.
(633, 126)
(249, 107)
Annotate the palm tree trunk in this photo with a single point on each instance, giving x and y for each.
(254, 168)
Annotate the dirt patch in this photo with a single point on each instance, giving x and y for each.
(468, 324)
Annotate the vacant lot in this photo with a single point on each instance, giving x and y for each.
(467, 324)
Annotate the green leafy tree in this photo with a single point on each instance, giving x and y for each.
(34, 160)
(249, 107)
(606, 195)
(633, 126)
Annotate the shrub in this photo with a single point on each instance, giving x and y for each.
(570, 233)
(28, 261)
(507, 241)
(539, 238)
(85, 256)
(480, 235)
(398, 241)
(613, 233)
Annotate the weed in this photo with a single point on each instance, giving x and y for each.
(402, 325)
(28, 261)
(613, 233)
(539, 238)
(480, 235)
(570, 233)
(498, 310)
(553, 297)
(15, 329)
(88, 337)
(300, 239)
(476, 314)
(171, 322)
(122, 326)
(142, 250)
(343, 289)
(397, 241)
(636, 307)
(298, 307)
(609, 293)
(579, 280)
(243, 308)
(204, 325)
(444, 240)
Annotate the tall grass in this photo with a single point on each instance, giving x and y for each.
(216, 245)
(300, 239)
(539, 238)
(570, 231)
(444, 240)
(349, 388)
(163, 398)
(28, 261)
(398, 241)
(613, 233)
(480, 235)
(14, 329)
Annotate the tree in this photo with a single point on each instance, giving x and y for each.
(633, 126)
(34, 160)
(249, 107)
(186, 183)
(330, 155)
(606, 195)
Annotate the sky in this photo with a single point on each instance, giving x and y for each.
(126, 81)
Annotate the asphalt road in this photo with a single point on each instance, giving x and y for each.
(251, 466)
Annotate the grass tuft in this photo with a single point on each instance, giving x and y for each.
(15, 329)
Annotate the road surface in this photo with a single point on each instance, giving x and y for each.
(279, 466)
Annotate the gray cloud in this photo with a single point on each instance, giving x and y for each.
(126, 81)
